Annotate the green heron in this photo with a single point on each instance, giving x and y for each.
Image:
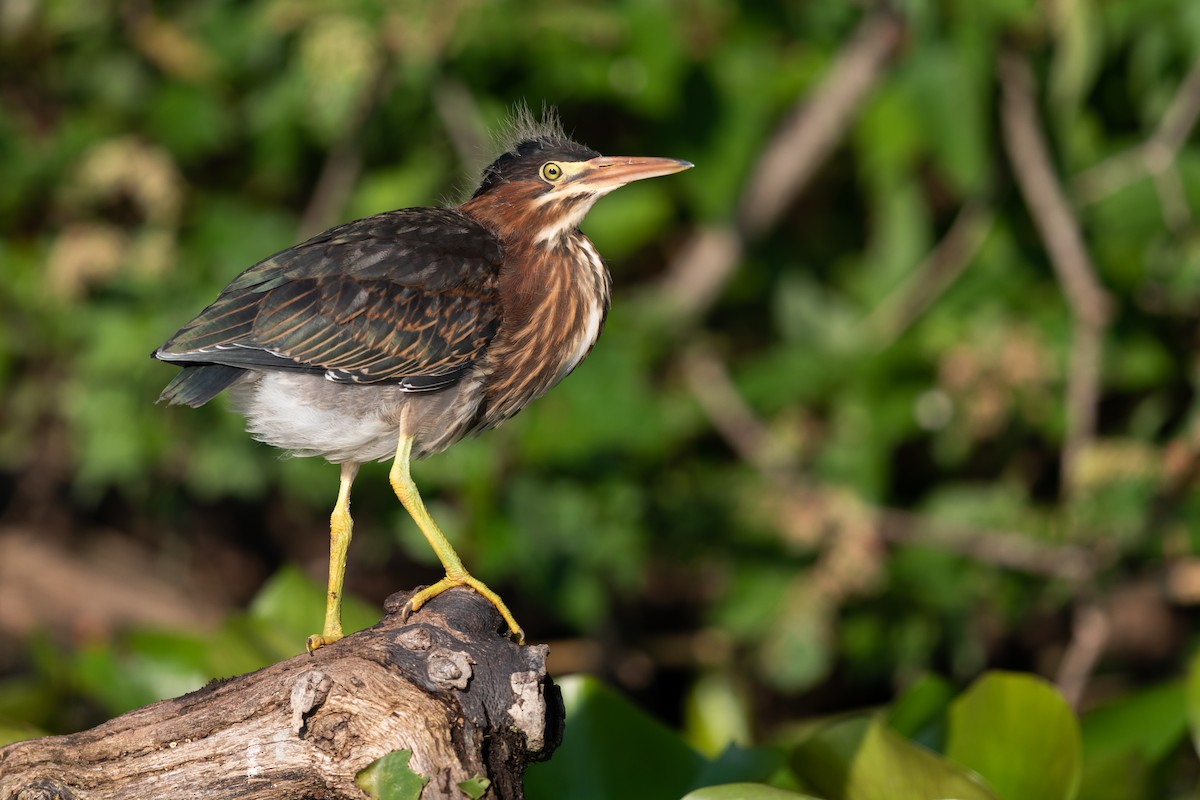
(397, 335)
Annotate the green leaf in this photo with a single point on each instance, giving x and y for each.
(190, 121)
(17, 732)
(861, 758)
(475, 787)
(410, 183)
(917, 712)
(951, 88)
(1019, 734)
(621, 226)
(1192, 696)
(612, 750)
(338, 56)
(1124, 776)
(389, 778)
(716, 712)
(796, 651)
(291, 606)
(745, 791)
(122, 683)
(739, 764)
(1077, 59)
(1148, 724)
(890, 767)
(824, 759)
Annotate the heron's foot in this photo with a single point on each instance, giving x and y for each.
(449, 582)
(330, 635)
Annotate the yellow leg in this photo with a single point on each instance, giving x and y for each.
(456, 574)
(341, 526)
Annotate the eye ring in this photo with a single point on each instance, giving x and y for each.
(551, 172)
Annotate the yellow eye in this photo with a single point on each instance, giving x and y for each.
(551, 171)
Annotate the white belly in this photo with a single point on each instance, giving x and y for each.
(308, 415)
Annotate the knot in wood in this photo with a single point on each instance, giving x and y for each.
(528, 711)
(449, 669)
(415, 639)
(308, 693)
(44, 790)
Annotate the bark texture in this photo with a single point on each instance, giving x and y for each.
(446, 686)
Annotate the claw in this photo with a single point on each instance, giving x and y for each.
(429, 592)
(318, 640)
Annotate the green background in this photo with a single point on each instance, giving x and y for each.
(852, 423)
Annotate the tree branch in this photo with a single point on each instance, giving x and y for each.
(445, 686)
(933, 276)
(816, 125)
(343, 163)
(750, 438)
(801, 144)
(1156, 155)
(1088, 640)
(1060, 232)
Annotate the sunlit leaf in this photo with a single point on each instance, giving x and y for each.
(861, 758)
(390, 778)
(745, 791)
(1192, 697)
(1019, 734)
(476, 787)
(716, 714)
(291, 607)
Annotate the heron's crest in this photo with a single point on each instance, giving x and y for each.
(526, 140)
(523, 127)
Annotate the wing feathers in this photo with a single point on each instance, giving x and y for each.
(407, 297)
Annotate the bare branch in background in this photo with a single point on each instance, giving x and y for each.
(1155, 156)
(1088, 641)
(1172, 198)
(334, 185)
(1008, 549)
(747, 435)
(731, 415)
(1061, 235)
(1048, 204)
(818, 124)
(460, 117)
(701, 267)
(1180, 118)
(343, 164)
(802, 143)
(167, 44)
(933, 276)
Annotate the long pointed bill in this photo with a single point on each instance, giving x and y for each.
(609, 172)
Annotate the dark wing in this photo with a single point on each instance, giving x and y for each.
(407, 297)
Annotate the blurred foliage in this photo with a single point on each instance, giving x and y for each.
(841, 476)
(1009, 736)
(144, 665)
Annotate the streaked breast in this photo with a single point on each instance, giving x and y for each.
(554, 310)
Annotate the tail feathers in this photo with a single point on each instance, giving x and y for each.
(196, 385)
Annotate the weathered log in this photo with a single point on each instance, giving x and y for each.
(446, 686)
